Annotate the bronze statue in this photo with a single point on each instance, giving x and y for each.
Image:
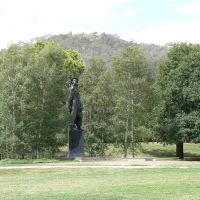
(75, 105)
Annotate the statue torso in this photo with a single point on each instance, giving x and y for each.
(75, 92)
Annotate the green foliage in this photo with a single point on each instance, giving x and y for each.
(73, 64)
(96, 93)
(116, 101)
(132, 86)
(33, 82)
(178, 86)
(34, 85)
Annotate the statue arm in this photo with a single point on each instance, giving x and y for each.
(70, 100)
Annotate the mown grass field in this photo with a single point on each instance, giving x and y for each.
(106, 183)
(100, 184)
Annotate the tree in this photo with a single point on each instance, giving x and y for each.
(178, 86)
(12, 78)
(132, 90)
(34, 81)
(97, 102)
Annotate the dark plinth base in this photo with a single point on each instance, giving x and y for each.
(76, 142)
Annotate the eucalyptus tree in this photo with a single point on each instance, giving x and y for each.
(97, 100)
(12, 77)
(132, 89)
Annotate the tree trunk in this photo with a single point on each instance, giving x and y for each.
(179, 150)
(126, 140)
(13, 127)
(125, 144)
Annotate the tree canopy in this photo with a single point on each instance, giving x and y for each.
(33, 87)
(178, 86)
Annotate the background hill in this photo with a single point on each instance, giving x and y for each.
(106, 46)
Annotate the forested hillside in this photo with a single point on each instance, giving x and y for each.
(106, 46)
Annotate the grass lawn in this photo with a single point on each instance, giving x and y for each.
(101, 184)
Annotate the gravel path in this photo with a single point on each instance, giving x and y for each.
(88, 166)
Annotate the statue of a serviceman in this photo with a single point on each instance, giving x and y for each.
(75, 105)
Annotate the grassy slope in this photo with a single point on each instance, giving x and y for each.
(98, 184)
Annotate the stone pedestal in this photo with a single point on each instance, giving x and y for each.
(76, 142)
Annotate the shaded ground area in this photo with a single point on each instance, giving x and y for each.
(157, 150)
(170, 153)
(160, 151)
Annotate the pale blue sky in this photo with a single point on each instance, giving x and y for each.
(149, 21)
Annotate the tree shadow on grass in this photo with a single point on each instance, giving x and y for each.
(192, 157)
(159, 153)
(170, 153)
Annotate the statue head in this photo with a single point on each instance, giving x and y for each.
(74, 81)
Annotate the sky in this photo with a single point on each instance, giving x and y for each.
(142, 21)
